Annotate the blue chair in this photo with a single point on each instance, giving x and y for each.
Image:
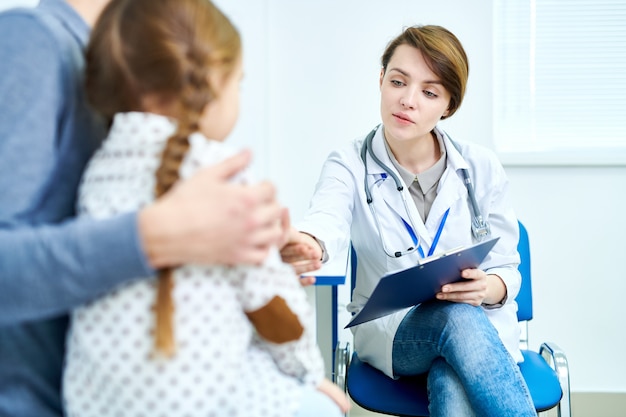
(546, 372)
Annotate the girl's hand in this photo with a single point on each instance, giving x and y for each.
(477, 288)
(302, 251)
(335, 394)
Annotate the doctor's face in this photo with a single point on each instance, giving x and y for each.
(412, 98)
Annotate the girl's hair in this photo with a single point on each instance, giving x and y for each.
(165, 49)
(444, 55)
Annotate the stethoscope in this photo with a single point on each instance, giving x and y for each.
(480, 228)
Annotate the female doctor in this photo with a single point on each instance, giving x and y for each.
(398, 194)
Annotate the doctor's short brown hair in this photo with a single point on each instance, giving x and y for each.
(444, 55)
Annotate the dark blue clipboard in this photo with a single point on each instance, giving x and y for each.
(420, 283)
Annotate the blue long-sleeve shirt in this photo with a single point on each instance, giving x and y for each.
(50, 262)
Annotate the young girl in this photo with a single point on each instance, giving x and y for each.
(198, 341)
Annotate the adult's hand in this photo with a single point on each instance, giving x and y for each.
(209, 220)
(476, 288)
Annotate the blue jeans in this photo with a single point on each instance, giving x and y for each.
(470, 372)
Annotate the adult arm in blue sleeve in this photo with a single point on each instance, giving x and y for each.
(50, 269)
(50, 261)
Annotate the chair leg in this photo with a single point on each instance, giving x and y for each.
(342, 360)
(340, 371)
(557, 359)
(343, 354)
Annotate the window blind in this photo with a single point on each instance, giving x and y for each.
(559, 75)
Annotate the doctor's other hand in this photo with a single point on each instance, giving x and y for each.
(302, 252)
(336, 394)
(476, 289)
(208, 220)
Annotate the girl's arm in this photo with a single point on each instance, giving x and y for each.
(278, 307)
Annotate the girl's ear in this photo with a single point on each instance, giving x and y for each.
(382, 75)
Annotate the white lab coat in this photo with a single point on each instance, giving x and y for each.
(339, 213)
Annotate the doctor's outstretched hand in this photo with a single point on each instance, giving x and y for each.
(478, 288)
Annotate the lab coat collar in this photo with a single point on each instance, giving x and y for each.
(455, 159)
(451, 186)
(379, 149)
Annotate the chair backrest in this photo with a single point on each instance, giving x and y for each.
(524, 297)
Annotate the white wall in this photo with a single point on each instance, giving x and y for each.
(576, 222)
(312, 83)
